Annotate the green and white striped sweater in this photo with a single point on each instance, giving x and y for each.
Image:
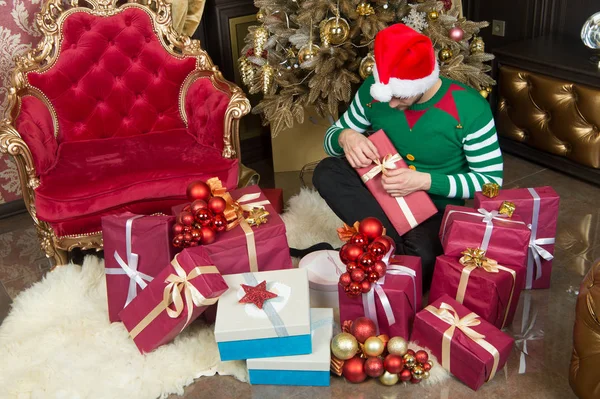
(452, 137)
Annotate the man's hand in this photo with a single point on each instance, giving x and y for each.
(360, 151)
(401, 182)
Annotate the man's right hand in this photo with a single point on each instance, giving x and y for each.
(360, 151)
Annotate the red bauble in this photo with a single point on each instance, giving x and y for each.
(405, 375)
(188, 237)
(365, 286)
(208, 235)
(187, 244)
(217, 205)
(359, 239)
(188, 229)
(198, 190)
(345, 279)
(374, 367)
(194, 244)
(219, 223)
(197, 205)
(363, 328)
(393, 364)
(377, 249)
(342, 254)
(414, 380)
(426, 366)
(366, 260)
(179, 237)
(387, 241)
(187, 218)
(204, 217)
(355, 289)
(373, 277)
(353, 370)
(187, 208)
(351, 266)
(357, 275)
(371, 227)
(177, 243)
(353, 252)
(177, 228)
(380, 268)
(411, 352)
(421, 357)
(196, 235)
(456, 34)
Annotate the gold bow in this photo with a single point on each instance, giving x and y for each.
(448, 314)
(387, 162)
(475, 257)
(257, 216)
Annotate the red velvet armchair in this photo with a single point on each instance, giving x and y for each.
(114, 111)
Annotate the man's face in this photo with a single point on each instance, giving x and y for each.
(402, 104)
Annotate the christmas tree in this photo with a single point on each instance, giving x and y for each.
(316, 52)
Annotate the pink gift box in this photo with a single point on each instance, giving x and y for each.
(493, 296)
(400, 290)
(504, 240)
(538, 207)
(136, 249)
(147, 317)
(405, 213)
(471, 358)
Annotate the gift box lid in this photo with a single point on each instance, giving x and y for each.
(288, 314)
(324, 269)
(319, 360)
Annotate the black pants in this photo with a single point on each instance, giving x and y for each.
(343, 190)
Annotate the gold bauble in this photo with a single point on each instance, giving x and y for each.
(397, 346)
(337, 30)
(426, 375)
(373, 346)
(366, 66)
(418, 372)
(344, 346)
(307, 52)
(261, 35)
(260, 16)
(445, 54)
(484, 93)
(388, 378)
(246, 70)
(433, 15)
(488, 89)
(477, 45)
(364, 9)
(409, 360)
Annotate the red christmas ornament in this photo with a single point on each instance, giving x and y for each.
(177, 243)
(411, 352)
(371, 227)
(187, 244)
(345, 279)
(219, 223)
(366, 260)
(208, 235)
(187, 218)
(342, 254)
(359, 239)
(187, 229)
(204, 217)
(257, 294)
(414, 380)
(373, 277)
(421, 357)
(177, 228)
(196, 234)
(377, 249)
(198, 190)
(426, 366)
(353, 370)
(357, 275)
(374, 367)
(351, 266)
(380, 268)
(353, 252)
(447, 4)
(194, 244)
(365, 286)
(197, 205)
(217, 205)
(187, 208)
(363, 328)
(393, 364)
(405, 375)
(354, 289)
(456, 34)
(387, 241)
(187, 237)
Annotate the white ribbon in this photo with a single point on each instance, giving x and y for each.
(251, 197)
(410, 217)
(536, 252)
(527, 334)
(130, 267)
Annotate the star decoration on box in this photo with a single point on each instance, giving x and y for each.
(257, 216)
(257, 294)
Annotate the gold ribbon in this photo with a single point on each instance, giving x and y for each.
(387, 162)
(447, 314)
(474, 258)
(178, 288)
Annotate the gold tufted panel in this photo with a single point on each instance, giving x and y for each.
(552, 115)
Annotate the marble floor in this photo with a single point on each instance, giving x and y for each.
(547, 315)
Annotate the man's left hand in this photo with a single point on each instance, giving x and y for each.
(401, 182)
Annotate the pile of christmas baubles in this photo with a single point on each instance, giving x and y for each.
(363, 256)
(388, 359)
(201, 220)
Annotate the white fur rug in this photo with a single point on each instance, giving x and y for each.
(57, 341)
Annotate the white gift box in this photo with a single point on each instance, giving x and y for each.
(324, 270)
(306, 370)
(281, 328)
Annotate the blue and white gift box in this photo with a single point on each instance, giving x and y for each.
(280, 328)
(307, 370)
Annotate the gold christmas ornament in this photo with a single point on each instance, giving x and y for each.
(477, 45)
(373, 346)
(261, 35)
(291, 62)
(258, 216)
(397, 346)
(366, 66)
(388, 378)
(484, 93)
(418, 372)
(433, 15)
(344, 346)
(488, 89)
(426, 375)
(260, 16)
(337, 30)
(409, 360)
(308, 52)
(490, 190)
(507, 208)
(246, 70)
(445, 54)
(364, 9)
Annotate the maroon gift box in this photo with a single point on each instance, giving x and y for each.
(147, 318)
(469, 358)
(150, 244)
(504, 240)
(405, 213)
(527, 201)
(487, 294)
(402, 289)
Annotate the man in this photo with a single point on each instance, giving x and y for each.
(443, 129)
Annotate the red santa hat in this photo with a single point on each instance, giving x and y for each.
(405, 64)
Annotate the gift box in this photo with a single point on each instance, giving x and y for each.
(275, 197)
(467, 346)
(392, 302)
(405, 213)
(490, 290)
(537, 207)
(505, 240)
(175, 298)
(305, 370)
(136, 249)
(324, 269)
(280, 328)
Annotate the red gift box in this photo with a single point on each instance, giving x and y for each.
(491, 291)
(467, 346)
(136, 248)
(537, 207)
(405, 213)
(392, 302)
(504, 240)
(175, 298)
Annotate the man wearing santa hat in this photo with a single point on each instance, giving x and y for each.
(443, 129)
